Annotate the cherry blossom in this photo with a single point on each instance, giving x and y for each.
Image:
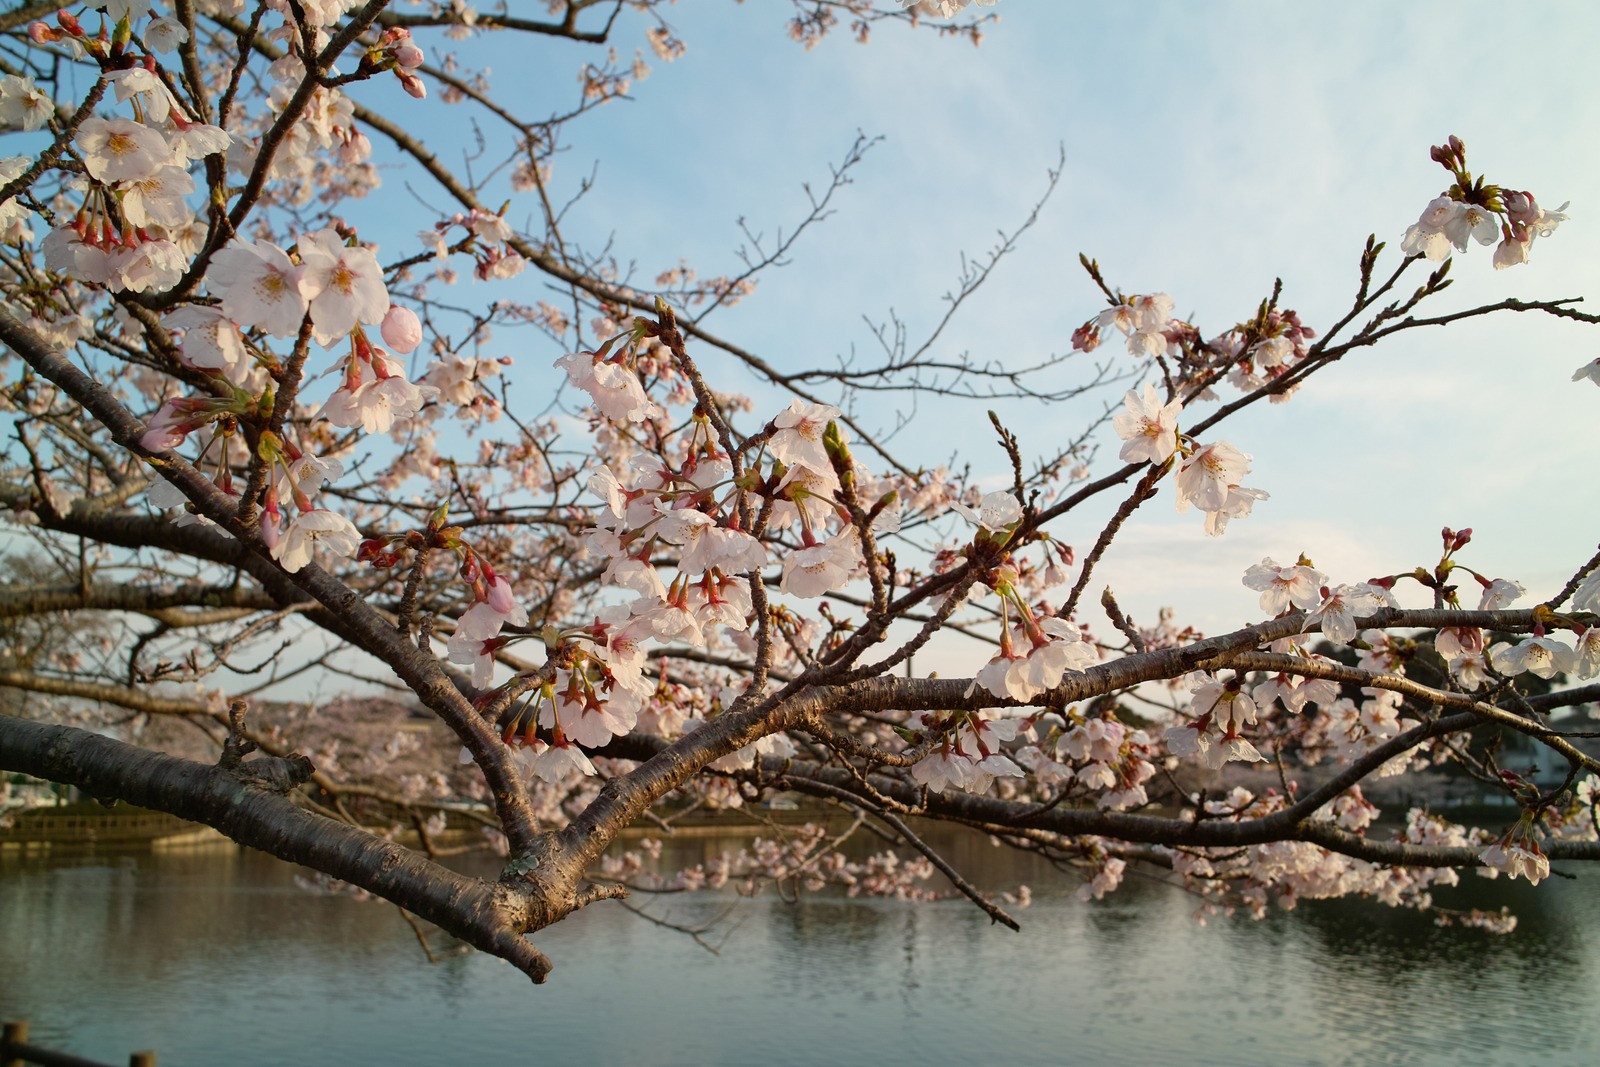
(798, 437)
(375, 397)
(1470, 670)
(342, 283)
(812, 571)
(1587, 595)
(117, 149)
(1499, 593)
(997, 513)
(157, 198)
(1524, 859)
(1225, 702)
(146, 266)
(469, 650)
(1541, 656)
(1452, 641)
(259, 286)
(615, 390)
(1148, 427)
(211, 341)
(1341, 608)
(1586, 657)
(496, 607)
(22, 104)
(714, 521)
(1513, 250)
(555, 763)
(1281, 587)
(586, 719)
(175, 420)
(310, 530)
(1057, 646)
(708, 546)
(164, 34)
(1107, 877)
(1206, 476)
(1470, 221)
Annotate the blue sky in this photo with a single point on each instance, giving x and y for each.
(1209, 148)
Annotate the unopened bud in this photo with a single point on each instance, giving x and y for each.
(401, 329)
(271, 528)
(833, 441)
(1520, 206)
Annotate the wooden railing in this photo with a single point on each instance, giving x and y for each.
(52, 825)
(15, 1051)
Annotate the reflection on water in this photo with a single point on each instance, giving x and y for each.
(216, 957)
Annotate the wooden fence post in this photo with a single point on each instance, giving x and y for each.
(15, 1034)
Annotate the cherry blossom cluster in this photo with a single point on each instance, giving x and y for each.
(1039, 651)
(1218, 708)
(1253, 355)
(1208, 475)
(704, 537)
(1347, 730)
(135, 230)
(1102, 756)
(1473, 210)
(1471, 663)
(397, 52)
(804, 858)
(333, 287)
(1286, 872)
(1517, 853)
(947, 9)
(1249, 355)
(486, 235)
(968, 753)
(694, 511)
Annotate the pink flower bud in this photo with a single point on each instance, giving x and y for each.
(409, 56)
(413, 85)
(356, 148)
(271, 529)
(401, 329)
(168, 427)
(1520, 207)
(498, 596)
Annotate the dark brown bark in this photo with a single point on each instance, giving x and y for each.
(491, 916)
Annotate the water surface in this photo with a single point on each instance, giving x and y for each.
(216, 956)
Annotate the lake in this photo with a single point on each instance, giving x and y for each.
(216, 956)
